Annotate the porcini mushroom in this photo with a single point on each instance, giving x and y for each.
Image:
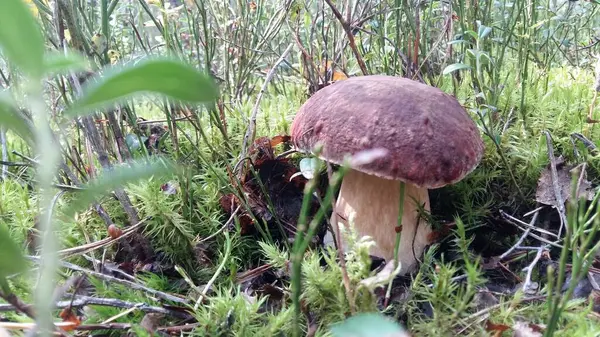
(428, 139)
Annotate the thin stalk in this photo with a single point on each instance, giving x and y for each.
(49, 155)
(112, 7)
(4, 153)
(398, 236)
(105, 31)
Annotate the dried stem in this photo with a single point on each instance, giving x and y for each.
(109, 278)
(81, 301)
(346, 27)
(251, 131)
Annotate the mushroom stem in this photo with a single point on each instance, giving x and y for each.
(372, 203)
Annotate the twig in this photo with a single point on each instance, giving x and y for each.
(92, 134)
(530, 267)
(121, 314)
(109, 278)
(178, 119)
(511, 219)
(81, 301)
(523, 237)
(251, 131)
(101, 243)
(127, 326)
(17, 304)
(286, 153)
(348, 30)
(10, 163)
(30, 326)
(229, 221)
(108, 268)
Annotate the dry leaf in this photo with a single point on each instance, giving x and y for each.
(489, 326)
(545, 189)
(68, 316)
(524, 329)
(151, 321)
(330, 73)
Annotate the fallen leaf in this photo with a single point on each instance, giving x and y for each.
(484, 299)
(331, 73)
(440, 233)
(151, 321)
(68, 316)
(114, 231)
(269, 178)
(545, 190)
(489, 326)
(524, 329)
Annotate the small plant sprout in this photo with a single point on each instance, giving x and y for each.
(424, 137)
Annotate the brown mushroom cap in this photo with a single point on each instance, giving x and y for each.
(429, 138)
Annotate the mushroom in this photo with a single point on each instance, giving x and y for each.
(428, 141)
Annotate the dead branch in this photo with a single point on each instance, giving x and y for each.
(108, 278)
(251, 131)
(348, 30)
(81, 301)
(522, 238)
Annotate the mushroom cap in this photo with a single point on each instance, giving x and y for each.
(427, 137)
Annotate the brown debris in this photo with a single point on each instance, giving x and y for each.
(524, 329)
(545, 189)
(284, 190)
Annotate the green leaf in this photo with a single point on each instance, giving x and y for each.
(59, 63)
(368, 325)
(11, 118)
(11, 258)
(471, 33)
(118, 176)
(159, 76)
(21, 40)
(484, 31)
(308, 167)
(453, 42)
(134, 142)
(455, 67)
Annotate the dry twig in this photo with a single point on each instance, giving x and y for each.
(81, 301)
(346, 26)
(251, 131)
(127, 283)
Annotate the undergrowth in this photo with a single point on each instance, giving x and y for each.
(532, 72)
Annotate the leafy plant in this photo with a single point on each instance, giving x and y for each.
(22, 43)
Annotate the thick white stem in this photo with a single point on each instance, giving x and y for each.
(372, 203)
